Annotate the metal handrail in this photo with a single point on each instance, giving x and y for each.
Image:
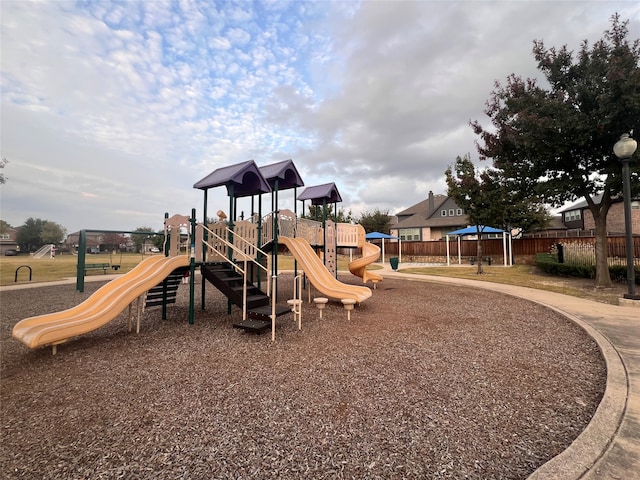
(236, 267)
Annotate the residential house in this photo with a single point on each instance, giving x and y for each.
(554, 228)
(8, 241)
(430, 219)
(579, 217)
(94, 242)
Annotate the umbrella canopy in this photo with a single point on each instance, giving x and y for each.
(378, 235)
(474, 230)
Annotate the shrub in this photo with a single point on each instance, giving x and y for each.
(548, 263)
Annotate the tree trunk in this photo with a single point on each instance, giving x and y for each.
(479, 254)
(603, 278)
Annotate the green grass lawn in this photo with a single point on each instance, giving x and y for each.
(64, 266)
(526, 276)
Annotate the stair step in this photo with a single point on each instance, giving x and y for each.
(253, 326)
(264, 313)
(259, 319)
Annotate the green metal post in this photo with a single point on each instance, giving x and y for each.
(192, 268)
(276, 233)
(259, 233)
(295, 231)
(167, 246)
(232, 214)
(324, 231)
(82, 252)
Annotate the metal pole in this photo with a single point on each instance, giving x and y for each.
(192, 268)
(205, 236)
(626, 189)
(82, 251)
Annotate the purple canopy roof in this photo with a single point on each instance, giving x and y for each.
(285, 173)
(319, 194)
(242, 179)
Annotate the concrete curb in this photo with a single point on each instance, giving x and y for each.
(588, 449)
(585, 451)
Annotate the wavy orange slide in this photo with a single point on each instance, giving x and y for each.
(370, 254)
(318, 274)
(100, 308)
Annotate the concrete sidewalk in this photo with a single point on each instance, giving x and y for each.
(609, 448)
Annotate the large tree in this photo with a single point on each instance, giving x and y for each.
(4, 226)
(3, 162)
(376, 221)
(36, 232)
(315, 213)
(478, 193)
(52, 232)
(557, 138)
(141, 236)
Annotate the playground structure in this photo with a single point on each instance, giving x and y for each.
(48, 249)
(239, 257)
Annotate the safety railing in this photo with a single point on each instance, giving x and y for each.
(218, 248)
(311, 230)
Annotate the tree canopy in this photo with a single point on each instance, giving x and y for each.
(37, 232)
(315, 213)
(142, 235)
(477, 193)
(556, 139)
(376, 221)
(3, 162)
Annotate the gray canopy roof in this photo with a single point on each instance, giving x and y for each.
(242, 180)
(319, 194)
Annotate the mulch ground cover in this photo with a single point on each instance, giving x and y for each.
(424, 381)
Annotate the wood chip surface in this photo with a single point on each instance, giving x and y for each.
(425, 381)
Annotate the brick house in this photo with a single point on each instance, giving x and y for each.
(428, 220)
(579, 217)
(8, 240)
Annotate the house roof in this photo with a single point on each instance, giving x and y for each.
(242, 180)
(596, 199)
(423, 207)
(582, 204)
(283, 173)
(418, 215)
(319, 194)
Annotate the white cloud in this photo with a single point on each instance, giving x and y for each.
(114, 110)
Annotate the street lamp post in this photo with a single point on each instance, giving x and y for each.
(624, 149)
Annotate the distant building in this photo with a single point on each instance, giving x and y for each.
(430, 219)
(579, 217)
(8, 241)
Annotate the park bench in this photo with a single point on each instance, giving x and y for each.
(96, 266)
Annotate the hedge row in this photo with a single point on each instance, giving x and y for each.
(549, 264)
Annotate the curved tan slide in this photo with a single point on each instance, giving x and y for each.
(100, 308)
(370, 254)
(318, 274)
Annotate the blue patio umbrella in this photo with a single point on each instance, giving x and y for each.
(473, 230)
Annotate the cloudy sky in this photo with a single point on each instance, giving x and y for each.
(111, 111)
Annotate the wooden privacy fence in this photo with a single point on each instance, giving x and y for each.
(527, 247)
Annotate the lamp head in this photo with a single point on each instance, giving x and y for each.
(625, 147)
